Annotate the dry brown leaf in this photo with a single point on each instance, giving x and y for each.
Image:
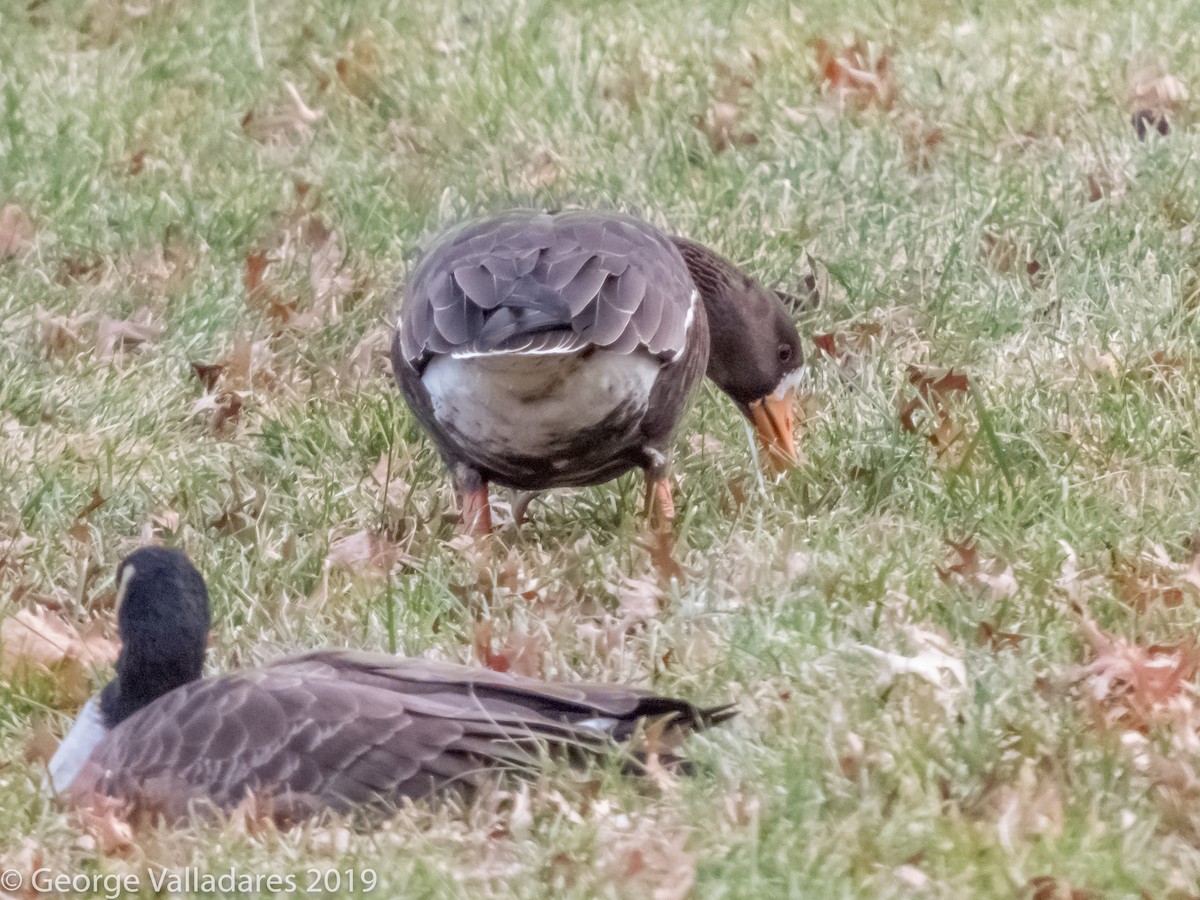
(934, 388)
(248, 364)
(1136, 688)
(1153, 98)
(224, 410)
(1098, 363)
(988, 635)
(638, 598)
(386, 476)
(106, 828)
(369, 549)
(1031, 805)
(1152, 579)
(651, 864)
(61, 337)
(116, 335)
(856, 75)
(1049, 887)
(935, 661)
(16, 231)
(722, 122)
(921, 140)
(969, 570)
(358, 67)
(303, 244)
(24, 859)
(39, 641)
(1007, 254)
(850, 345)
(41, 743)
(13, 548)
(83, 268)
(208, 374)
(543, 169)
(518, 653)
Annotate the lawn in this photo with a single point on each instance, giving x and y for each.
(961, 634)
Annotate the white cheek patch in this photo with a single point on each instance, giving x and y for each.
(76, 748)
(789, 382)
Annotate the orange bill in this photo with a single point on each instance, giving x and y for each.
(773, 421)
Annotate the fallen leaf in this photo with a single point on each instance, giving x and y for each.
(44, 642)
(1152, 579)
(856, 75)
(85, 268)
(1008, 254)
(969, 570)
(1031, 805)
(208, 374)
(357, 67)
(638, 599)
(518, 653)
(934, 387)
(848, 346)
(651, 865)
(1153, 97)
(1135, 687)
(935, 662)
(1098, 363)
(16, 231)
(41, 743)
(60, 337)
(224, 410)
(13, 548)
(921, 140)
(542, 170)
(106, 829)
(115, 335)
(721, 123)
(303, 244)
(989, 635)
(1048, 887)
(366, 548)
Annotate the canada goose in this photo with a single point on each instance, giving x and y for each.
(329, 730)
(559, 350)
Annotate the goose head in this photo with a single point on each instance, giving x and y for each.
(755, 354)
(163, 619)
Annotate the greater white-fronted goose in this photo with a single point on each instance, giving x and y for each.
(559, 350)
(329, 730)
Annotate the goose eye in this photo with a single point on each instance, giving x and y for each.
(785, 353)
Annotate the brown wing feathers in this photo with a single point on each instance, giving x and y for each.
(529, 282)
(336, 730)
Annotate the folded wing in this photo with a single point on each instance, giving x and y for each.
(530, 282)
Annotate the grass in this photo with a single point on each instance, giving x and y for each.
(121, 132)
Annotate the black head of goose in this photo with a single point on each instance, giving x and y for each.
(559, 350)
(329, 730)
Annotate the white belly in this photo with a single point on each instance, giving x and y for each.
(529, 405)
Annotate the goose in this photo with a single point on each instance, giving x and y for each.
(330, 730)
(545, 350)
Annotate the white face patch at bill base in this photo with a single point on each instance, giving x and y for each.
(76, 748)
(791, 381)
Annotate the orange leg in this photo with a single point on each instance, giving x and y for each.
(660, 504)
(476, 512)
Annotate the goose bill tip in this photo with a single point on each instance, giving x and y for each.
(774, 422)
